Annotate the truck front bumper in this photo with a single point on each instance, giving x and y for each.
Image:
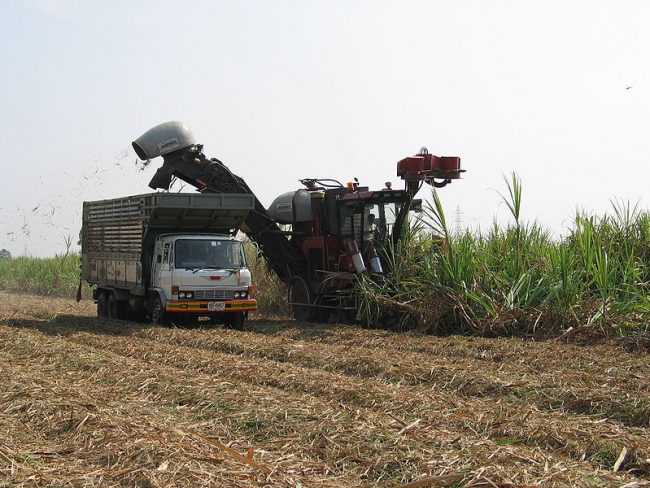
(200, 306)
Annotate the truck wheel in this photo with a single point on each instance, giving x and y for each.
(115, 309)
(138, 316)
(236, 320)
(300, 300)
(102, 305)
(158, 314)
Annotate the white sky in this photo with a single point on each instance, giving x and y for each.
(281, 90)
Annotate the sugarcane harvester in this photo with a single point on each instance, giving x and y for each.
(317, 239)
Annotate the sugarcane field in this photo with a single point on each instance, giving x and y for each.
(342, 244)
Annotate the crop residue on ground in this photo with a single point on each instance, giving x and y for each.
(85, 401)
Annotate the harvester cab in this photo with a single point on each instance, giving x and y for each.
(317, 239)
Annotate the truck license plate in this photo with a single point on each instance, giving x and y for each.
(216, 306)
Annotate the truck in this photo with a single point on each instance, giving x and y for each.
(318, 239)
(170, 257)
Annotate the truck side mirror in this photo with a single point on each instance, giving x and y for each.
(252, 249)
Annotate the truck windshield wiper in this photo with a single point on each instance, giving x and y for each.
(195, 270)
(230, 269)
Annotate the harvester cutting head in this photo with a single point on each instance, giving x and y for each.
(437, 171)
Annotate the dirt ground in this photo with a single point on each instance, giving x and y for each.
(89, 402)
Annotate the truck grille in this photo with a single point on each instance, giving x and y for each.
(214, 294)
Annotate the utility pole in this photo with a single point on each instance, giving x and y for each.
(458, 221)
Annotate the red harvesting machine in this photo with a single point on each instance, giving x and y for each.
(320, 238)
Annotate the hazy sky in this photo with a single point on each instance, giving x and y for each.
(281, 90)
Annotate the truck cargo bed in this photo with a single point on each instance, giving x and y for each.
(117, 234)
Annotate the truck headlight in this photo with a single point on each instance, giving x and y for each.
(181, 294)
(236, 294)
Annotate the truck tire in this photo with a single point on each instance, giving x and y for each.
(300, 294)
(139, 316)
(102, 305)
(158, 314)
(236, 320)
(114, 308)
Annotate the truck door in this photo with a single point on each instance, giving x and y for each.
(163, 268)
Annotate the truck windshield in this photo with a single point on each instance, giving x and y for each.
(208, 254)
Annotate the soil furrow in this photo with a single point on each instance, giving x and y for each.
(606, 395)
(323, 405)
(581, 438)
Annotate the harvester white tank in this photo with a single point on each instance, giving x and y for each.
(290, 207)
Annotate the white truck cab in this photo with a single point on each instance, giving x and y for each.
(201, 273)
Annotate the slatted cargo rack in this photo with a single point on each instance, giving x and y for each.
(114, 231)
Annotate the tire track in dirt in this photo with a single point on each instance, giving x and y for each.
(552, 432)
(608, 395)
(593, 364)
(411, 380)
(79, 350)
(174, 374)
(139, 390)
